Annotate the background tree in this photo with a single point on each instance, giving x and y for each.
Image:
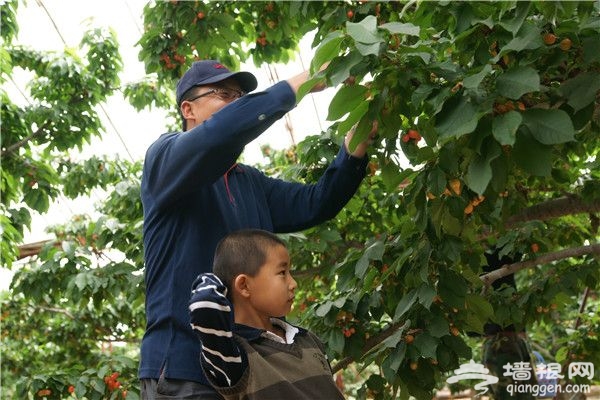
(495, 107)
(74, 313)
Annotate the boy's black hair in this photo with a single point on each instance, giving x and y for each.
(243, 252)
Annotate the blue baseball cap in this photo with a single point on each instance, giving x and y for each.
(211, 71)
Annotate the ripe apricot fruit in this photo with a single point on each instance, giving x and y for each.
(535, 247)
(455, 186)
(414, 134)
(565, 44)
(549, 38)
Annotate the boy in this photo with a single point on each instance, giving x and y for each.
(250, 352)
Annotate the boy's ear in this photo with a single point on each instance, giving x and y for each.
(240, 285)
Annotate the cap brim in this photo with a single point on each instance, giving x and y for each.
(246, 80)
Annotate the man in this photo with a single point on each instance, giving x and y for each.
(194, 193)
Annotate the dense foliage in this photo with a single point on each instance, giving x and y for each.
(494, 106)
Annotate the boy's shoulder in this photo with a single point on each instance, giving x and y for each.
(256, 340)
(252, 334)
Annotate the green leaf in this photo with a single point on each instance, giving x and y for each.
(581, 90)
(364, 31)
(373, 252)
(426, 295)
(513, 25)
(399, 262)
(474, 323)
(69, 247)
(517, 81)
(426, 345)
(549, 126)
(393, 361)
(479, 306)
(479, 174)
(561, 354)
(368, 49)
(529, 37)
(452, 288)
(393, 340)
(451, 224)
(361, 267)
(340, 68)
(361, 133)
(391, 175)
(81, 280)
(336, 341)
(590, 46)
(421, 93)
(504, 127)
(37, 199)
(323, 309)
(458, 117)
(436, 181)
(340, 301)
(532, 156)
(345, 100)
(376, 383)
(458, 345)
(307, 86)
(327, 50)
(438, 326)
(405, 304)
(353, 118)
(389, 342)
(474, 80)
(401, 28)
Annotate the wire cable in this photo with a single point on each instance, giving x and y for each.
(41, 4)
(311, 97)
(135, 21)
(274, 77)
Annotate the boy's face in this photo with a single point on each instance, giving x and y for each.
(272, 289)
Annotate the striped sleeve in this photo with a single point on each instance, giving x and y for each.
(211, 317)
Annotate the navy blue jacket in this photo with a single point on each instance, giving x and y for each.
(194, 193)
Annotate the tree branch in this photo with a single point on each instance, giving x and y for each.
(33, 249)
(488, 279)
(509, 269)
(306, 273)
(553, 208)
(369, 344)
(15, 146)
(57, 310)
(310, 272)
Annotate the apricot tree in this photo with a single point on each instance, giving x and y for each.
(495, 107)
(488, 116)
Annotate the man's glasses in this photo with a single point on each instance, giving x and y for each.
(225, 94)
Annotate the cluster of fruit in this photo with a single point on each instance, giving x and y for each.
(550, 39)
(346, 320)
(111, 382)
(411, 134)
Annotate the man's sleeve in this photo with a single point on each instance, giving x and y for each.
(296, 206)
(211, 316)
(180, 162)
